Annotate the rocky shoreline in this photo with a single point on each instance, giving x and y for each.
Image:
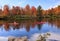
(35, 37)
(17, 39)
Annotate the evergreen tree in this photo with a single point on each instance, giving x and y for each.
(39, 11)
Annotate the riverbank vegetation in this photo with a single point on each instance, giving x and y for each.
(18, 13)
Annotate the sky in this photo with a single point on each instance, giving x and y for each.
(45, 4)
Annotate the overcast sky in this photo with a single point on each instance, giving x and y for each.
(46, 4)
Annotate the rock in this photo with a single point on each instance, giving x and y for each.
(11, 38)
(17, 39)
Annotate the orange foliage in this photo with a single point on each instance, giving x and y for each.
(6, 10)
(34, 11)
(16, 10)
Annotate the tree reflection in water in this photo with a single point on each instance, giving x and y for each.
(29, 24)
(39, 26)
(39, 23)
(55, 22)
(6, 26)
(15, 25)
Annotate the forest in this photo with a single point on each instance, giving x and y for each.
(17, 12)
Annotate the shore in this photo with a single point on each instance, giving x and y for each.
(34, 37)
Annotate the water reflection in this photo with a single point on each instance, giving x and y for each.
(6, 26)
(29, 23)
(28, 27)
(18, 25)
(39, 26)
(55, 22)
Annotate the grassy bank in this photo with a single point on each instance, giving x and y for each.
(26, 17)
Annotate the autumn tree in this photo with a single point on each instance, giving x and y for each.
(22, 11)
(18, 10)
(1, 12)
(58, 9)
(27, 10)
(34, 11)
(51, 12)
(13, 10)
(6, 9)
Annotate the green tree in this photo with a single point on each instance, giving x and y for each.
(39, 12)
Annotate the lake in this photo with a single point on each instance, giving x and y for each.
(28, 27)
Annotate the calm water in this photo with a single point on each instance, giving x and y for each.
(29, 27)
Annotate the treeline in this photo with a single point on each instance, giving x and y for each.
(28, 11)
